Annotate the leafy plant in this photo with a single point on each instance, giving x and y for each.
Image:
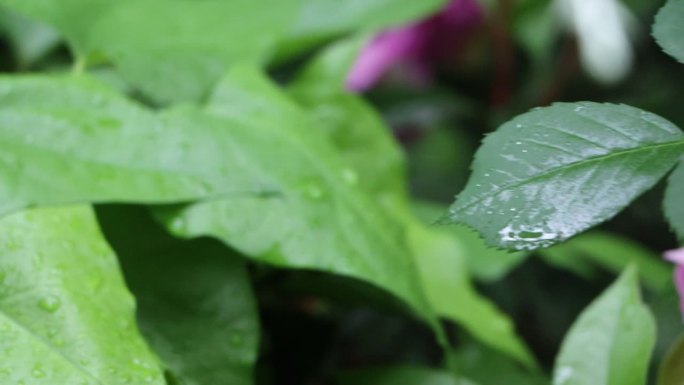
(191, 193)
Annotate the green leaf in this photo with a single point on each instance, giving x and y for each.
(30, 40)
(668, 28)
(554, 172)
(178, 54)
(401, 375)
(673, 204)
(489, 367)
(321, 20)
(195, 304)
(671, 371)
(611, 341)
(72, 140)
(318, 219)
(614, 253)
(66, 316)
(483, 262)
(445, 278)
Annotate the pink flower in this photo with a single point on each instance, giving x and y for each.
(416, 47)
(677, 257)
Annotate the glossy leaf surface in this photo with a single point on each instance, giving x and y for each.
(66, 316)
(611, 341)
(195, 303)
(553, 172)
(668, 28)
(318, 217)
(673, 204)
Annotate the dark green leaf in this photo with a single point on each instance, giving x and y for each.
(668, 28)
(611, 341)
(66, 316)
(673, 203)
(195, 304)
(556, 171)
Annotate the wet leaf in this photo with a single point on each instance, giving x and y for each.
(66, 316)
(554, 172)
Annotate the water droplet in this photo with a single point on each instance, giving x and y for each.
(486, 174)
(579, 108)
(350, 176)
(313, 191)
(50, 303)
(518, 142)
(513, 209)
(518, 125)
(524, 150)
(178, 225)
(562, 376)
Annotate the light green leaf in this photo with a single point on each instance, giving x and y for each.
(318, 218)
(668, 28)
(611, 341)
(445, 278)
(321, 20)
(673, 204)
(178, 54)
(554, 172)
(66, 316)
(671, 371)
(614, 253)
(401, 375)
(195, 304)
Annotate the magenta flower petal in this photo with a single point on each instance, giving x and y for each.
(380, 54)
(677, 257)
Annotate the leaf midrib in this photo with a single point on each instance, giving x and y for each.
(570, 166)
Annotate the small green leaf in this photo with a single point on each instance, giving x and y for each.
(401, 375)
(671, 371)
(668, 28)
(66, 316)
(195, 304)
(611, 341)
(673, 204)
(556, 171)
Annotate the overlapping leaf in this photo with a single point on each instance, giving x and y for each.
(553, 172)
(611, 341)
(674, 201)
(66, 316)
(195, 305)
(668, 28)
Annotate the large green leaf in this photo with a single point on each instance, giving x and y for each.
(673, 204)
(195, 304)
(179, 53)
(402, 375)
(553, 172)
(613, 253)
(318, 218)
(72, 140)
(66, 316)
(668, 28)
(611, 341)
